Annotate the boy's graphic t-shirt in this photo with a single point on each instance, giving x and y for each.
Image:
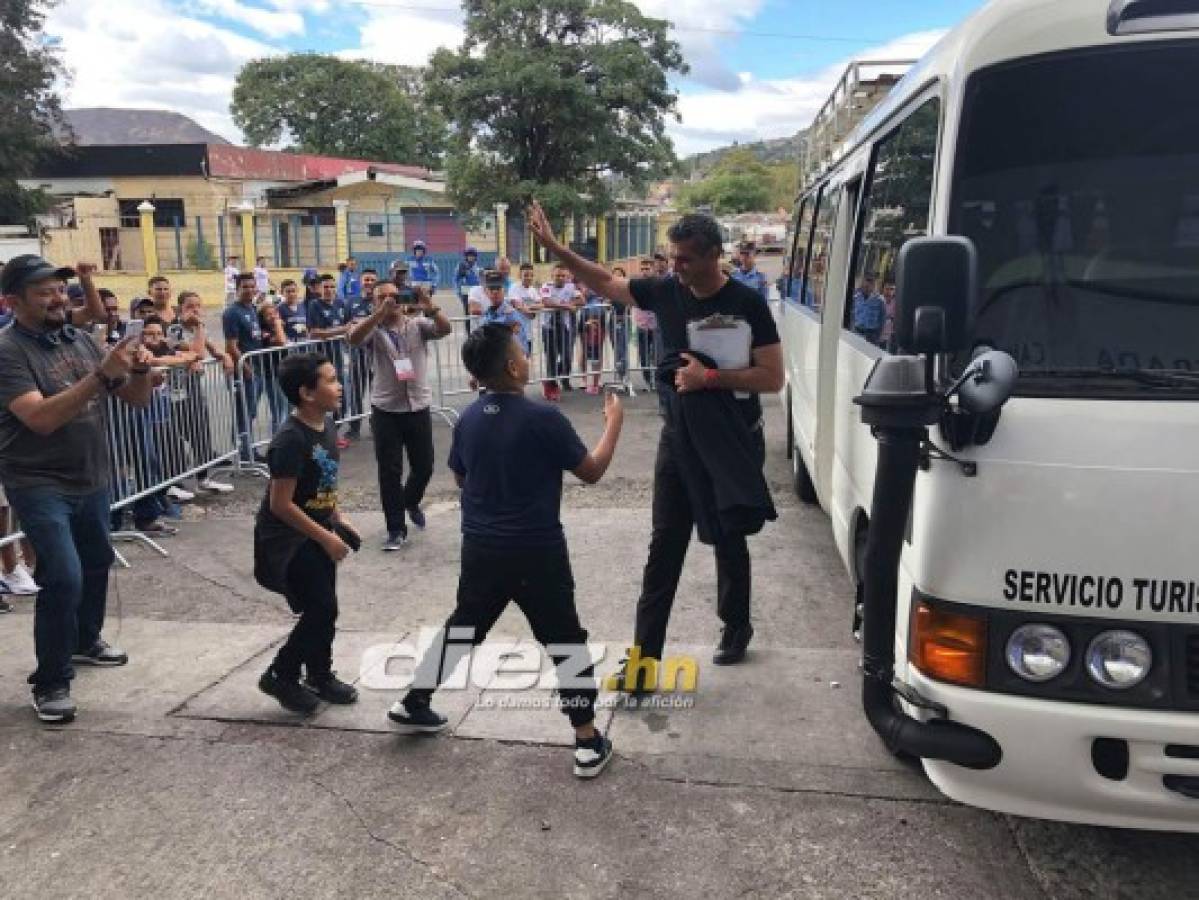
(312, 458)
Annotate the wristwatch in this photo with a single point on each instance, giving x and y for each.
(110, 384)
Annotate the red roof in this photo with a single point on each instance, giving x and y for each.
(227, 161)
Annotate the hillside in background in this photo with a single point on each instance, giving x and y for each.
(101, 125)
(775, 150)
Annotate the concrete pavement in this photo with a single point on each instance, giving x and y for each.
(180, 779)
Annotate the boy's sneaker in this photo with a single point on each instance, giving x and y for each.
(417, 515)
(100, 653)
(592, 755)
(54, 704)
(290, 694)
(217, 487)
(156, 529)
(332, 689)
(19, 582)
(175, 492)
(395, 540)
(416, 718)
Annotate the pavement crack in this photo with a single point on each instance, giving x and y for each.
(400, 849)
(1034, 872)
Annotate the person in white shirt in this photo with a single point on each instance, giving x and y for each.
(559, 300)
(262, 277)
(526, 300)
(232, 270)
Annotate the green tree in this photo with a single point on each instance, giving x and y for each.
(321, 104)
(738, 183)
(555, 98)
(29, 106)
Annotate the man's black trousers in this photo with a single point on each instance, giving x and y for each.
(672, 526)
(311, 592)
(538, 580)
(397, 434)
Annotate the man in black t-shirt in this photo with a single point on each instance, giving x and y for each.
(697, 290)
(300, 535)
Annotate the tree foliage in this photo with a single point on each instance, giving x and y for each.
(553, 98)
(29, 105)
(314, 103)
(739, 183)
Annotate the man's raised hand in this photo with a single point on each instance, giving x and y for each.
(539, 224)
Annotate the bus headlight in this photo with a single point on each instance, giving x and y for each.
(1037, 652)
(1119, 659)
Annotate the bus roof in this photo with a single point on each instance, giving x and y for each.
(1006, 30)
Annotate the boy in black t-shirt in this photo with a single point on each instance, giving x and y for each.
(300, 535)
(508, 456)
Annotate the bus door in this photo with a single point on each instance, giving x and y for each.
(831, 244)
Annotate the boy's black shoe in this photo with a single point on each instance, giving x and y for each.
(290, 694)
(416, 718)
(733, 644)
(592, 755)
(332, 689)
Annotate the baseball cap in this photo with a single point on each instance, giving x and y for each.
(142, 303)
(471, 251)
(493, 279)
(28, 268)
(419, 245)
(399, 265)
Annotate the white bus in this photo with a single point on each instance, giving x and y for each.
(1050, 601)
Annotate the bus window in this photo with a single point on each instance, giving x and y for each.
(791, 284)
(1087, 225)
(896, 208)
(816, 281)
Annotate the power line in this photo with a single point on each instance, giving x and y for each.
(781, 35)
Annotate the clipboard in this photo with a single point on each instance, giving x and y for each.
(726, 339)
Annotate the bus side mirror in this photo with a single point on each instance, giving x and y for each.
(936, 283)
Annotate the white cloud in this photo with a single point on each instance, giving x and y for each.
(705, 27)
(772, 108)
(404, 37)
(282, 20)
(143, 54)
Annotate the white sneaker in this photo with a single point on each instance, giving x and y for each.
(20, 582)
(177, 493)
(219, 487)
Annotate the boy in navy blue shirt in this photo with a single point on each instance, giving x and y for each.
(508, 456)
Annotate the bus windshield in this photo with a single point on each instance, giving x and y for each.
(1077, 178)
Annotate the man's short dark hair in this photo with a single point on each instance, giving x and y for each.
(749, 247)
(327, 277)
(369, 271)
(485, 353)
(703, 231)
(286, 283)
(183, 295)
(245, 276)
(157, 279)
(300, 370)
(154, 320)
(526, 267)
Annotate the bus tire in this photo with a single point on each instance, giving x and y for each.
(790, 425)
(805, 490)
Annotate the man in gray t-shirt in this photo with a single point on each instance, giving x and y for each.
(397, 339)
(54, 387)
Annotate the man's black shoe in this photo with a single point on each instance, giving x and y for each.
(290, 694)
(416, 718)
(733, 643)
(332, 689)
(637, 687)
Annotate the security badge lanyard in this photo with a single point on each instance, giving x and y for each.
(402, 362)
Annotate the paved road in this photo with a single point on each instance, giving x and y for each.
(179, 779)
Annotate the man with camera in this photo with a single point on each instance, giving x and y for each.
(396, 335)
(54, 464)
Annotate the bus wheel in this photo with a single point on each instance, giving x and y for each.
(805, 490)
(790, 426)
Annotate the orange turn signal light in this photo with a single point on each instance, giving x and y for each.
(948, 646)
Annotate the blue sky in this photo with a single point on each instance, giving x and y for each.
(760, 68)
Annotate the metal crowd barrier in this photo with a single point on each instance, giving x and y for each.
(563, 349)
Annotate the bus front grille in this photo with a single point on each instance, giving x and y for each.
(1192, 665)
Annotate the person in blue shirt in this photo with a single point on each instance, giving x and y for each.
(243, 335)
(293, 311)
(508, 454)
(466, 276)
(422, 271)
(349, 285)
(869, 311)
(748, 273)
(497, 310)
(358, 380)
(328, 318)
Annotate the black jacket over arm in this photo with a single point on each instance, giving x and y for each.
(713, 448)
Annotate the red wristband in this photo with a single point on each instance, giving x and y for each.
(710, 376)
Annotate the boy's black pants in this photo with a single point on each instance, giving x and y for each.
(539, 580)
(311, 592)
